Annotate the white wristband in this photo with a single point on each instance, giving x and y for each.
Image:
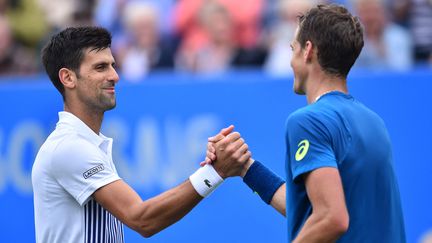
(205, 180)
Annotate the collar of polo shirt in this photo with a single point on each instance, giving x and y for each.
(70, 120)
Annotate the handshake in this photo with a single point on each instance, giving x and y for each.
(228, 153)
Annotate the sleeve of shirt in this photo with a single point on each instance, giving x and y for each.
(81, 168)
(309, 144)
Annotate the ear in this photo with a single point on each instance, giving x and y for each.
(67, 78)
(308, 51)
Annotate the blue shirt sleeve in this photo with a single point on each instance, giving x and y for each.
(309, 144)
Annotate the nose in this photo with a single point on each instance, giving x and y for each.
(114, 75)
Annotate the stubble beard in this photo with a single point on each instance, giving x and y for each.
(107, 103)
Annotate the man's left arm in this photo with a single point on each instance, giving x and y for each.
(329, 218)
(263, 179)
(278, 201)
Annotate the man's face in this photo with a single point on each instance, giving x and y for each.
(97, 79)
(298, 66)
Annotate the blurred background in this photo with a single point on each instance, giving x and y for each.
(189, 68)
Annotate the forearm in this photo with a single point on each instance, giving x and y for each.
(270, 187)
(159, 212)
(319, 229)
(150, 216)
(278, 201)
(167, 208)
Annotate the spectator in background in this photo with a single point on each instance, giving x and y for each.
(245, 17)
(282, 34)
(27, 22)
(220, 52)
(61, 14)
(109, 14)
(26, 28)
(387, 45)
(143, 50)
(417, 14)
(3, 6)
(14, 59)
(216, 53)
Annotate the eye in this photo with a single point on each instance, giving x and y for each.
(101, 67)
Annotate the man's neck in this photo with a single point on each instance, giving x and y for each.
(321, 85)
(92, 119)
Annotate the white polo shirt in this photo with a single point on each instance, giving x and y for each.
(69, 167)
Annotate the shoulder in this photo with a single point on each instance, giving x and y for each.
(73, 145)
(311, 114)
(300, 114)
(72, 150)
(322, 120)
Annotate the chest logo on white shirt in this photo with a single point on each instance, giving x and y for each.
(302, 150)
(98, 168)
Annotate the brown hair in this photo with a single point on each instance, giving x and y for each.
(336, 33)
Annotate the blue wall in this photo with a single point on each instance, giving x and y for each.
(160, 129)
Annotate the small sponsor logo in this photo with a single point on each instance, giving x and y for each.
(93, 171)
(208, 183)
(302, 150)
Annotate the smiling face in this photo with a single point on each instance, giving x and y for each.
(96, 80)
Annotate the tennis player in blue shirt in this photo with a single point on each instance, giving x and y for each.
(340, 182)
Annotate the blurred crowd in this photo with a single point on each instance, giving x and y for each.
(209, 36)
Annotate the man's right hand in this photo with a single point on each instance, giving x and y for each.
(211, 150)
(229, 153)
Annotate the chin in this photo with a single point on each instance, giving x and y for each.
(110, 106)
(299, 92)
(298, 89)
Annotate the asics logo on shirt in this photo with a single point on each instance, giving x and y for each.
(302, 150)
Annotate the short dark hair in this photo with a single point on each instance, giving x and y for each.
(66, 50)
(336, 33)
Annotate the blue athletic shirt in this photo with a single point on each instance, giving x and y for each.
(338, 131)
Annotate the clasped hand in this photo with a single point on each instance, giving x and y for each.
(228, 153)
